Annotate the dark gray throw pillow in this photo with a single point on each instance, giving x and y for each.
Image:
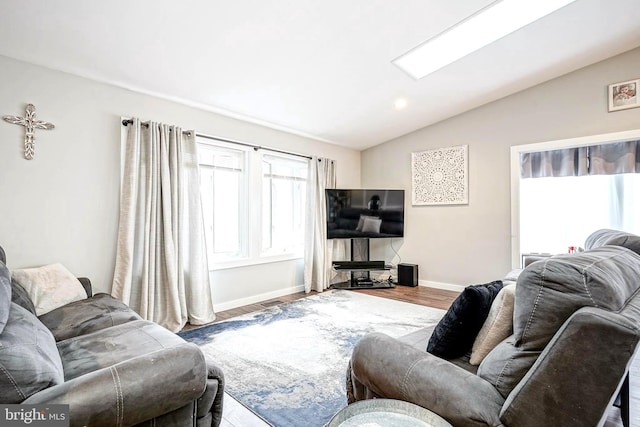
(29, 358)
(454, 335)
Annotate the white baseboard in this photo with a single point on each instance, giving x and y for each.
(257, 298)
(440, 285)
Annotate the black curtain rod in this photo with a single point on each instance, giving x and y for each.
(244, 144)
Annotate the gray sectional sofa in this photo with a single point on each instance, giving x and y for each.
(576, 329)
(100, 358)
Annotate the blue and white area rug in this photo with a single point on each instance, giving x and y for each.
(287, 363)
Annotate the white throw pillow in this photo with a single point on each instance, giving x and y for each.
(50, 286)
(362, 219)
(497, 327)
(512, 277)
(371, 225)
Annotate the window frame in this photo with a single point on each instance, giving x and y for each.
(252, 200)
(244, 250)
(295, 250)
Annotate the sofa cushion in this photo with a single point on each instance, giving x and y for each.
(86, 316)
(104, 348)
(29, 359)
(5, 295)
(604, 237)
(456, 331)
(548, 292)
(497, 327)
(50, 286)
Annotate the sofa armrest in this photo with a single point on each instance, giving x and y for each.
(210, 403)
(132, 391)
(577, 376)
(86, 284)
(389, 368)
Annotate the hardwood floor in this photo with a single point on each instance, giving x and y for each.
(236, 415)
(421, 295)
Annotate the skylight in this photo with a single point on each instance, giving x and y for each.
(484, 27)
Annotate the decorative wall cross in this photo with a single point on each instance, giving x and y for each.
(30, 125)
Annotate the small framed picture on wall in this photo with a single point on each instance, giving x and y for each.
(623, 95)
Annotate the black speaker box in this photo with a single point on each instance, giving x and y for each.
(408, 274)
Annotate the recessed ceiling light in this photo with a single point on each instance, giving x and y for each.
(400, 103)
(495, 21)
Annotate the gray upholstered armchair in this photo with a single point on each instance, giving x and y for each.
(576, 329)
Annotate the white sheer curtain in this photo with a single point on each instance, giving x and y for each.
(318, 251)
(161, 262)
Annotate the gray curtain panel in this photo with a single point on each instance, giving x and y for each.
(616, 158)
(605, 159)
(554, 163)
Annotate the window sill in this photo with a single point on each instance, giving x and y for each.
(246, 262)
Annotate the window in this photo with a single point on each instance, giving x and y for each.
(254, 204)
(223, 186)
(551, 214)
(556, 213)
(284, 188)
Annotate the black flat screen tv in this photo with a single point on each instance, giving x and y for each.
(356, 214)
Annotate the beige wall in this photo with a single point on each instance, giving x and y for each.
(469, 244)
(63, 205)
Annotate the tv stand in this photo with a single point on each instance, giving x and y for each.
(360, 270)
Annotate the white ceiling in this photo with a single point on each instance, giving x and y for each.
(317, 68)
